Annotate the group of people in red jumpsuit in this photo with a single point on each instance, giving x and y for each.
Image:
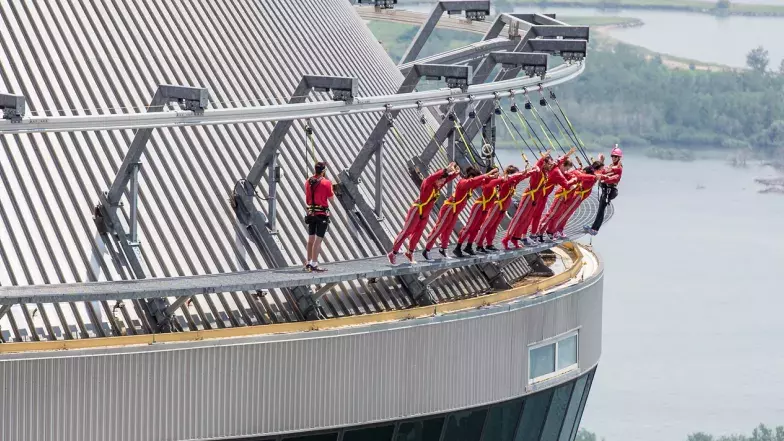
(528, 226)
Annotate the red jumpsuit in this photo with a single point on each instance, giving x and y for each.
(556, 222)
(506, 189)
(419, 213)
(479, 211)
(447, 216)
(533, 198)
(563, 196)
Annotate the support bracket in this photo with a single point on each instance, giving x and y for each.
(380, 4)
(260, 228)
(474, 10)
(12, 106)
(107, 217)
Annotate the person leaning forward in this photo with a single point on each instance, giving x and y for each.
(318, 195)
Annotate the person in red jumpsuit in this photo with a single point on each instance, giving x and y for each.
(506, 189)
(563, 197)
(554, 223)
(419, 213)
(609, 188)
(534, 199)
(450, 211)
(478, 213)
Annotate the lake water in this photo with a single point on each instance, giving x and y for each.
(723, 40)
(693, 304)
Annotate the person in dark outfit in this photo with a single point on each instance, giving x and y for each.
(609, 186)
(318, 195)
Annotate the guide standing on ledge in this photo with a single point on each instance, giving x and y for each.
(318, 194)
(609, 186)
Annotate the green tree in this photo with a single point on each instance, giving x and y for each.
(584, 435)
(758, 59)
(723, 4)
(781, 67)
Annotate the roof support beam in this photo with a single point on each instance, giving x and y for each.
(12, 106)
(260, 229)
(475, 10)
(106, 214)
(347, 189)
(343, 89)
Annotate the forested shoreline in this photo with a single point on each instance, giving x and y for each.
(625, 96)
(628, 96)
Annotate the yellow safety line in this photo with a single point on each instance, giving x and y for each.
(284, 328)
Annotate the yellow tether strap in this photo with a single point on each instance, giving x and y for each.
(528, 131)
(500, 202)
(465, 143)
(541, 126)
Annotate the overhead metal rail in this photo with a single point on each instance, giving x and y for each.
(474, 10)
(282, 112)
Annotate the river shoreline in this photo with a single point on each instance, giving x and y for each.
(741, 10)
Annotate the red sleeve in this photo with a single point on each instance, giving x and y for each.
(557, 178)
(540, 162)
(519, 177)
(494, 182)
(561, 160)
(452, 176)
(330, 192)
(430, 180)
(476, 181)
(616, 176)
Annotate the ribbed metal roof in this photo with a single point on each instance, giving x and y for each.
(94, 57)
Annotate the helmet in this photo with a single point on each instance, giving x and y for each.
(617, 151)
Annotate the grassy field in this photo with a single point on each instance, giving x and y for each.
(681, 5)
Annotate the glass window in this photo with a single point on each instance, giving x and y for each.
(466, 425)
(421, 430)
(582, 404)
(567, 352)
(382, 433)
(557, 412)
(534, 411)
(574, 406)
(322, 437)
(542, 361)
(548, 360)
(502, 421)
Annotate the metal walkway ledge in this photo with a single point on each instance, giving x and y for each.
(288, 277)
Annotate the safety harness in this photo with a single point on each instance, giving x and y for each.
(484, 201)
(532, 192)
(509, 194)
(454, 203)
(315, 208)
(421, 206)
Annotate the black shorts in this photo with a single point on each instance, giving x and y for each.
(318, 225)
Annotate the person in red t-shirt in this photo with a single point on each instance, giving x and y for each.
(318, 195)
(450, 211)
(506, 189)
(419, 213)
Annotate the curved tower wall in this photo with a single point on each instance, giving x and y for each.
(377, 374)
(87, 57)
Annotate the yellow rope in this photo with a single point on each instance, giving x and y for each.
(465, 143)
(528, 131)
